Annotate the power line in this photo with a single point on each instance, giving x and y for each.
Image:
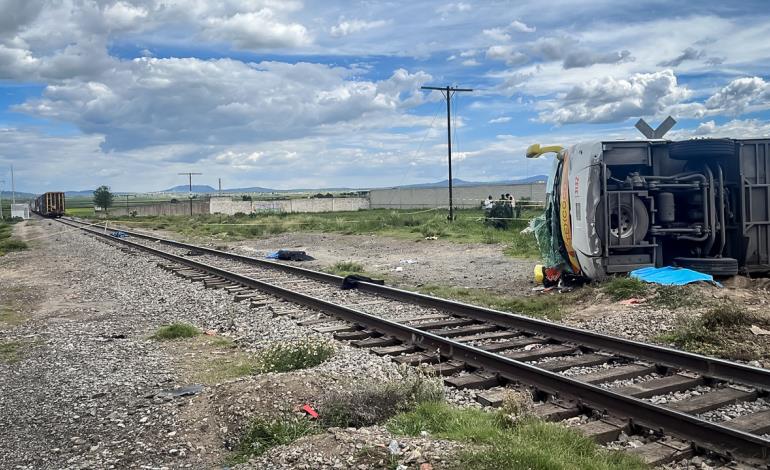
(447, 92)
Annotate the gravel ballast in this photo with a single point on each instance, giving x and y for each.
(91, 389)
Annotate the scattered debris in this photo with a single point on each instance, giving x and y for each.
(351, 281)
(310, 411)
(633, 301)
(434, 237)
(408, 261)
(290, 255)
(186, 391)
(119, 234)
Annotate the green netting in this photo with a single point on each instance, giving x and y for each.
(547, 243)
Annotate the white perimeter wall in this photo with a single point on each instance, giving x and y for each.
(464, 197)
(225, 205)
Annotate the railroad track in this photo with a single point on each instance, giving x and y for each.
(624, 385)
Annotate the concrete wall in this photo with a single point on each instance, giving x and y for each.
(20, 210)
(464, 197)
(225, 205)
(163, 208)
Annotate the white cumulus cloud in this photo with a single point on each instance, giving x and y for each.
(610, 99)
(346, 27)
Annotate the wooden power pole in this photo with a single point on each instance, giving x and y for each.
(448, 92)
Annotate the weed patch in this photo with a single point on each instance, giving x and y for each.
(10, 351)
(8, 244)
(721, 331)
(621, 288)
(345, 268)
(540, 306)
(263, 434)
(375, 402)
(284, 357)
(175, 331)
(500, 443)
(9, 317)
(674, 297)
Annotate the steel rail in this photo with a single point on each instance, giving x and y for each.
(707, 366)
(712, 436)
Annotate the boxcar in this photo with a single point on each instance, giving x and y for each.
(50, 204)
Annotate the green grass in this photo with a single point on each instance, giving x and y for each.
(345, 268)
(540, 306)
(263, 434)
(9, 316)
(501, 444)
(621, 288)
(303, 354)
(468, 228)
(722, 331)
(80, 211)
(8, 244)
(176, 331)
(10, 351)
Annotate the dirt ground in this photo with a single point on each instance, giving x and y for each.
(470, 265)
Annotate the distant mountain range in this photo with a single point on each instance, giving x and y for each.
(458, 182)
(206, 189)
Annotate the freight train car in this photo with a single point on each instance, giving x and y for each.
(50, 204)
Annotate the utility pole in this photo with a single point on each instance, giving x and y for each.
(448, 92)
(190, 175)
(128, 211)
(220, 186)
(13, 188)
(2, 182)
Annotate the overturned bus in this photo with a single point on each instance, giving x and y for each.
(615, 206)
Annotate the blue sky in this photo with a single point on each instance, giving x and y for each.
(317, 94)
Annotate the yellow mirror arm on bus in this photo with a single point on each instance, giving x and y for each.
(535, 150)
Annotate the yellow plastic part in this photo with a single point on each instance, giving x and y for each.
(539, 274)
(535, 150)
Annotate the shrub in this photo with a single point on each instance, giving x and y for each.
(343, 268)
(292, 356)
(728, 316)
(176, 330)
(375, 402)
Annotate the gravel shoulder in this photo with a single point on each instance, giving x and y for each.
(86, 386)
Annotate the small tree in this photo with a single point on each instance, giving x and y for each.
(103, 197)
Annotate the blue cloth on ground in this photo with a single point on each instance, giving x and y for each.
(272, 255)
(671, 276)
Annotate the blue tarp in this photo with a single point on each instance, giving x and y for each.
(671, 276)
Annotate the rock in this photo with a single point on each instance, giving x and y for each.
(393, 448)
